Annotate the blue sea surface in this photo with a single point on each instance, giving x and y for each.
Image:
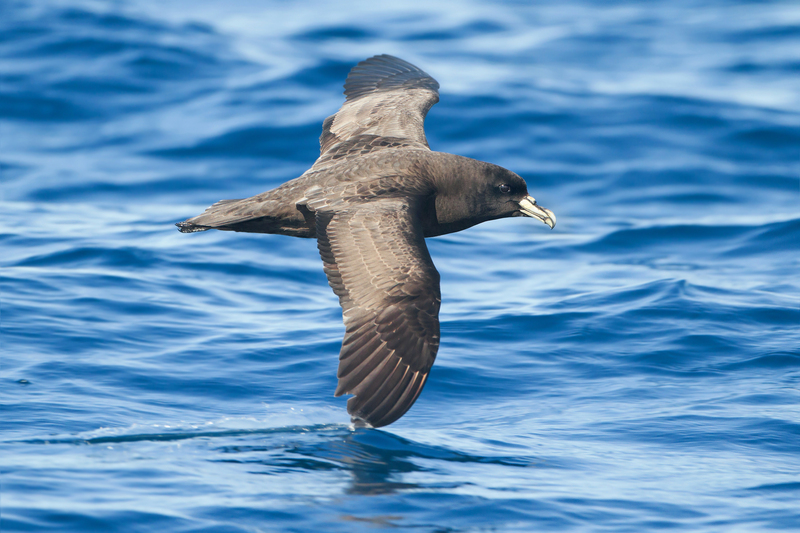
(635, 369)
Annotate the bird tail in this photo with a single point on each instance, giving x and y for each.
(188, 227)
(218, 216)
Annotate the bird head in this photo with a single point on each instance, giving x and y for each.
(476, 191)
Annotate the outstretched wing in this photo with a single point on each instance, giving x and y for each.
(377, 262)
(387, 100)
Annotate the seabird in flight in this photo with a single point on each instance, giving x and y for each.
(373, 196)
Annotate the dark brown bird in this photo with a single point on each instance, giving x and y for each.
(373, 196)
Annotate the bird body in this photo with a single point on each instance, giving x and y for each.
(373, 196)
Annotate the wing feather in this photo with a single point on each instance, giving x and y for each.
(387, 101)
(376, 260)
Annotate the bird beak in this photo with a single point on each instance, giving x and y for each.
(528, 207)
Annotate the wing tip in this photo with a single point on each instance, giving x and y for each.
(382, 414)
(386, 72)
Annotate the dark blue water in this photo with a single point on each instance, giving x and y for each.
(637, 368)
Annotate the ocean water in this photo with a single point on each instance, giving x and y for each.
(635, 369)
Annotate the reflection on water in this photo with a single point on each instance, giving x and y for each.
(374, 469)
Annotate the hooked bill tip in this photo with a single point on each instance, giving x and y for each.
(551, 218)
(528, 207)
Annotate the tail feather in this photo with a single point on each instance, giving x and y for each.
(253, 215)
(188, 227)
(215, 217)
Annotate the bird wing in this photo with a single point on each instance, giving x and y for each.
(387, 100)
(377, 263)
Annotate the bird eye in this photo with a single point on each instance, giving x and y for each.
(505, 188)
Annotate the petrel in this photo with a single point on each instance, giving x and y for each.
(373, 196)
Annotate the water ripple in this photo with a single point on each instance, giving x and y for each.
(636, 368)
